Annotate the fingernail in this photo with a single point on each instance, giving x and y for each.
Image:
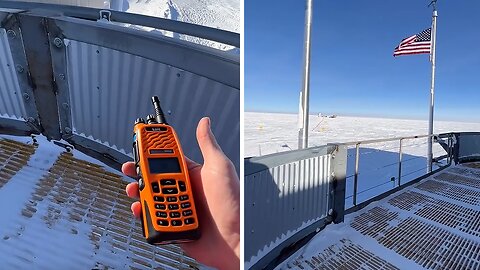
(208, 123)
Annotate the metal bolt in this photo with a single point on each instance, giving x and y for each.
(31, 119)
(58, 42)
(19, 68)
(11, 34)
(26, 96)
(68, 130)
(330, 212)
(61, 76)
(65, 106)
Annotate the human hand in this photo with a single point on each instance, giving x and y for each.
(216, 190)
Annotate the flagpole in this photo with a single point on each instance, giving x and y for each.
(305, 93)
(432, 88)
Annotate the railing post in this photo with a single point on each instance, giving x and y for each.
(355, 179)
(400, 153)
(339, 170)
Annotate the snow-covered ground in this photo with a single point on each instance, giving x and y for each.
(267, 133)
(221, 14)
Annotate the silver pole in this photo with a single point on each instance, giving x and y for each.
(432, 91)
(305, 94)
(355, 177)
(400, 153)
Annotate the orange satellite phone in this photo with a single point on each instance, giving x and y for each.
(168, 210)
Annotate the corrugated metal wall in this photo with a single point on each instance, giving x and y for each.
(110, 89)
(11, 102)
(281, 200)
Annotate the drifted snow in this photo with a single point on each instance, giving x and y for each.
(224, 14)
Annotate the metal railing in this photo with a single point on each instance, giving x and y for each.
(397, 179)
(291, 195)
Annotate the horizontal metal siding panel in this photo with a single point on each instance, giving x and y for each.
(282, 200)
(11, 102)
(110, 89)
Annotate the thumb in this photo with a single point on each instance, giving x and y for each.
(211, 151)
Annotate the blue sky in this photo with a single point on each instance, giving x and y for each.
(353, 71)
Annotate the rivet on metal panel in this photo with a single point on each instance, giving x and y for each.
(58, 42)
(65, 106)
(31, 120)
(26, 96)
(61, 76)
(333, 156)
(67, 130)
(169, 112)
(330, 211)
(19, 68)
(178, 74)
(11, 34)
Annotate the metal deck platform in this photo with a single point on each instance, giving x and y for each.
(433, 224)
(59, 210)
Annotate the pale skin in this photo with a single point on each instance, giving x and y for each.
(216, 190)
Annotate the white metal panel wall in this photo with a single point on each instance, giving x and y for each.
(109, 89)
(11, 102)
(282, 200)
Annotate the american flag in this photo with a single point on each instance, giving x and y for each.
(419, 43)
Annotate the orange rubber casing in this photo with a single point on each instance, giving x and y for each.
(167, 215)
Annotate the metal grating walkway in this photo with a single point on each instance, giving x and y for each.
(434, 224)
(59, 210)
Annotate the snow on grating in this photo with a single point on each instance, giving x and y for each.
(467, 170)
(429, 246)
(446, 213)
(458, 179)
(450, 191)
(374, 222)
(344, 255)
(77, 214)
(13, 156)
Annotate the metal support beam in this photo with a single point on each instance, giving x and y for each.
(15, 127)
(15, 40)
(37, 50)
(190, 29)
(101, 152)
(58, 54)
(206, 62)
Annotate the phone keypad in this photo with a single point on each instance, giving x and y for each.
(170, 190)
(167, 182)
(172, 206)
(169, 214)
(155, 187)
(171, 199)
(182, 186)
